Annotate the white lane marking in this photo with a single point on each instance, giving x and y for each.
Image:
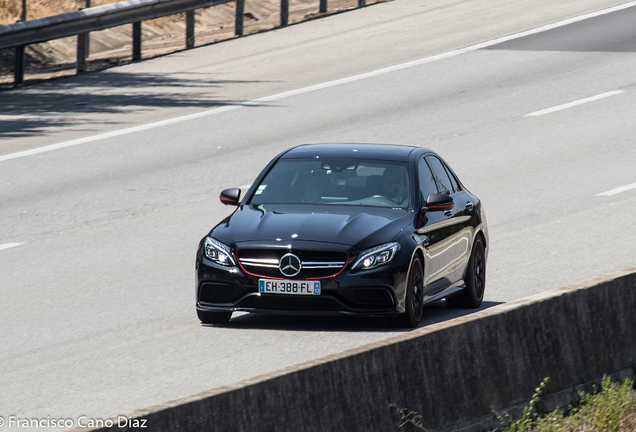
(9, 245)
(618, 190)
(19, 117)
(114, 134)
(316, 87)
(574, 103)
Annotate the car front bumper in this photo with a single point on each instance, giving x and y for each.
(374, 292)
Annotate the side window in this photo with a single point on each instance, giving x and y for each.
(453, 180)
(427, 182)
(439, 172)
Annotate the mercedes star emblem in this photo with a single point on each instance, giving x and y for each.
(289, 265)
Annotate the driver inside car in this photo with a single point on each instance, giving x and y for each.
(394, 185)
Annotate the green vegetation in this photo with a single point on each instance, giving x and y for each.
(610, 407)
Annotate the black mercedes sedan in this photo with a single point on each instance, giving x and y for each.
(360, 229)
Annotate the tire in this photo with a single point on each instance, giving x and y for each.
(209, 317)
(473, 295)
(414, 298)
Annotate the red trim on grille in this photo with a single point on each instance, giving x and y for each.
(283, 277)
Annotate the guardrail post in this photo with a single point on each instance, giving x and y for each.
(238, 23)
(323, 6)
(18, 71)
(20, 59)
(361, 3)
(82, 52)
(88, 37)
(284, 12)
(190, 29)
(23, 14)
(136, 36)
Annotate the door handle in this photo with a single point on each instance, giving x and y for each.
(469, 206)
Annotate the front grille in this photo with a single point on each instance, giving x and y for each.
(314, 264)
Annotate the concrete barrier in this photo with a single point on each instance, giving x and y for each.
(446, 376)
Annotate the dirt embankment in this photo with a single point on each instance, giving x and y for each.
(160, 36)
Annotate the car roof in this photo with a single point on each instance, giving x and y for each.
(359, 151)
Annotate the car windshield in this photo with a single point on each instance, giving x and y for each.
(335, 181)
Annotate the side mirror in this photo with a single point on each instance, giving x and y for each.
(437, 202)
(230, 196)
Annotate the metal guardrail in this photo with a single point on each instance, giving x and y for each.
(82, 22)
(93, 19)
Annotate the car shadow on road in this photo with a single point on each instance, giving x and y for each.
(433, 313)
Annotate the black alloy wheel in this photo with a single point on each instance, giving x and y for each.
(473, 295)
(414, 298)
(209, 317)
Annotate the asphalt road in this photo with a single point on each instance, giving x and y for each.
(108, 181)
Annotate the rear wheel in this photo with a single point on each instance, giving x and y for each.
(473, 294)
(414, 298)
(209, 317)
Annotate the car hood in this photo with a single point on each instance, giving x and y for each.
(356, 226)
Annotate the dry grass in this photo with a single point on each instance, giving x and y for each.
(10, 9)
(610, 407)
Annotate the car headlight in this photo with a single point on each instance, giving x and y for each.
(377, 256)
(218, 253)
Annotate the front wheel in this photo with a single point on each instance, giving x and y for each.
(414, 298)
(473, 294)
(209, 317)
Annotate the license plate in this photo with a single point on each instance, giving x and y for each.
(277, 286)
